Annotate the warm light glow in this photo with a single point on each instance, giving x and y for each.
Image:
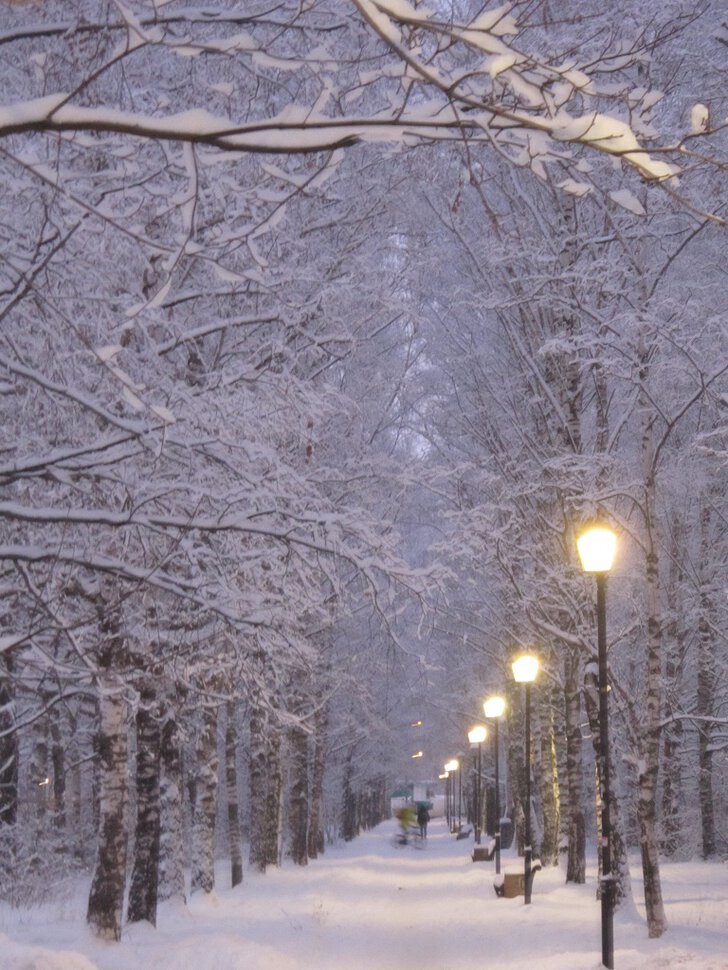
(417, 754)
(477, 734)
(452, 765)
(525, 668)
(416, 724)
(597, 545)
(494, 707)
(444, 775)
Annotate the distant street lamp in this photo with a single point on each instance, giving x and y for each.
(597, 545)
(476, 736)
(450, 767)
(443, 776)
(493, 709)
(525, 669)
(460, 790)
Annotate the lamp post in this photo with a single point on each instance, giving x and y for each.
(597, 545)
(525, 669)
(476, 736)
(460, 791)
(493, 708)
(450, 767)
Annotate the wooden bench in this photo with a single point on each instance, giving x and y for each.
(512, 884)
(484, 853)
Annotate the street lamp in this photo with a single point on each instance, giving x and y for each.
(476, 736)
(445, 776)
(450, 767)
(493, 708)
(461, 756)
(525, 669)
(597, 545)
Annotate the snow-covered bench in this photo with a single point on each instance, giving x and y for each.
(511, 884)
(484, 853)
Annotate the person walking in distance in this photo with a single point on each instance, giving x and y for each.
(423, 817)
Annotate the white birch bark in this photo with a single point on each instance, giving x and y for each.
(705, 695)
(203, 821)
(144, 884)
(273, 836)
(650, 754)
(258, 782)
(316, 814)
(106, 897)
(298, 796)
(235, 840)
(172, 841)
(576, 858)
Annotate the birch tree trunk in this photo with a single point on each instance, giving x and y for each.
(144, 883)
(550, 797)
(619, 859)
(576, 860)
(705, 697)
(233, 813)
(58, 768)
(106, 896)
(39, 776)
(8, 746)
(258, 785)
(315, 826)
(650, 753)
(273, 837)
(349, 827)
(673, 734)
(203, 821)
(298, 807)
(73, 785)
(171, 842)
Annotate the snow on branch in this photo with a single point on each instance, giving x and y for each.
(155, 577)
(502, 91)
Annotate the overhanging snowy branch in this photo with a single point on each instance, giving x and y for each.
(154, 577)
(300, 132)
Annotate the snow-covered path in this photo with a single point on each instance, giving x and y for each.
(369, 905)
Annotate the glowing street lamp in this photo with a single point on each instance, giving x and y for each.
(460, 790)
(451, 767)
(525, 669)
(597, 545)
(476, 736)
(493, 709)
(445, 776)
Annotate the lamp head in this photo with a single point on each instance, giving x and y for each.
(597, 544)
(452, 765)
(477, 734)
(494, 707)
(525, 668)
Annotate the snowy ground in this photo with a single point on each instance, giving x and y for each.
(370, 905)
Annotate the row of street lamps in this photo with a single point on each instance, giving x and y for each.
(596, 546)
(493, 709)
